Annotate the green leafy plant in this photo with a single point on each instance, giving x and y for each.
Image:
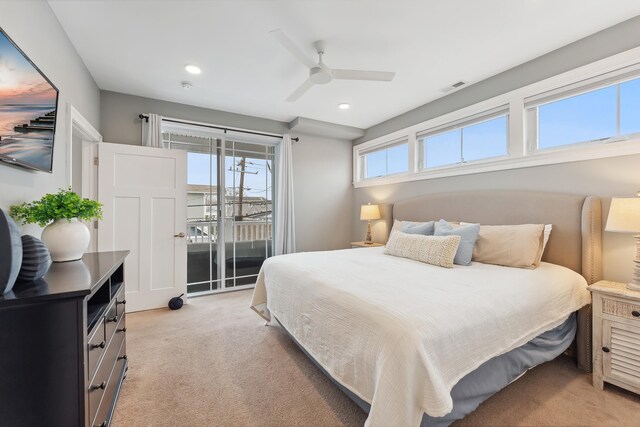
(65, 204)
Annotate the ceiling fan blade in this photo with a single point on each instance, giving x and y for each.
(383, 76)
(288, 44)
(301, 90)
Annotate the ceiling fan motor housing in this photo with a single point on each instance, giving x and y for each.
(320, 75)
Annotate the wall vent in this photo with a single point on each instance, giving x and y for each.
(454, 86)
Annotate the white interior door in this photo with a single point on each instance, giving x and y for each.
(144, 192)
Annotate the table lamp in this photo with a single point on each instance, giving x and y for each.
(367, 213)
(624, 217)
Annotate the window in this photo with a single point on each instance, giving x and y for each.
(600, 114)
(389, 160)
(552, 121)
(465, 143)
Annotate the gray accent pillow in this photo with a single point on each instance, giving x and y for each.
(468, 236)
(424, 228)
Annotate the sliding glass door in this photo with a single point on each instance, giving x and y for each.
(229, 209)
(248, 218)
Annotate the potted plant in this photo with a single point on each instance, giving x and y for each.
(64, 235)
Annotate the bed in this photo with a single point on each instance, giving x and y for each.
(417, 344)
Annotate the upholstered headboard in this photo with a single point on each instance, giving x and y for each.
(575, 241)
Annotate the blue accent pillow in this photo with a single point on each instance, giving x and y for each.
(468, 236)
(424, 228)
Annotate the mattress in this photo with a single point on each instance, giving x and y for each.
(400, 334)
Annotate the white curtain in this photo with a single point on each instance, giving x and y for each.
(152, 131)
(284, 221)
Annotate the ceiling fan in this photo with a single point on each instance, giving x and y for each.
(319, 73)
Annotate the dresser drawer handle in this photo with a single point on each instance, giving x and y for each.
(121, 330)
(113, 319)
(635, 313)
(102, 385)
(102, 424)
(606, 349)
(101, 345)
(123, 357)
(123, 302)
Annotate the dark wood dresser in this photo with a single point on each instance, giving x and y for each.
(62, 344)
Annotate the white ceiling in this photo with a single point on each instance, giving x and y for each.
(141, 47)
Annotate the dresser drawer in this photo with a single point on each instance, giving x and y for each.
(101, 379)
(96, 346)
(121, 327)
(621, 309)
(120, 301)
(116, 365)
(111, 319)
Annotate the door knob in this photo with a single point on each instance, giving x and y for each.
(180, 234)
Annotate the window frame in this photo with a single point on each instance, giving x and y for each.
(521, 152)
(614, 78)
(485, 116)
(375, 149)
(361, 159)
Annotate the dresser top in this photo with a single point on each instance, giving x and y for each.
(614, 288)
(71, 279)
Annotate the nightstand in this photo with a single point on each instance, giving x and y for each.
(616, 335)
(365, 245)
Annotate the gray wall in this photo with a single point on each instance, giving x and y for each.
(120, 123)
(604, 177)
(323, 193)
(619, 176)
(610, 41)
(35, 29)
(322, 166)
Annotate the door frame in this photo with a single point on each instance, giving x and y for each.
(77, 124)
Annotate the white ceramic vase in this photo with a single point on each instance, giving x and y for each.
(66, 239)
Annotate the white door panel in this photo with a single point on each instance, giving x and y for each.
(143, 190)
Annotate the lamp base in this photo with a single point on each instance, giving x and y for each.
(368, 240)
(634, 285)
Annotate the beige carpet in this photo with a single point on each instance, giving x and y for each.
(214, 363)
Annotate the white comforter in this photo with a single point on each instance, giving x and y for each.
(399, 333)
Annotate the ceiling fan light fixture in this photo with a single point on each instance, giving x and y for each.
(344, 106)
(192, 69)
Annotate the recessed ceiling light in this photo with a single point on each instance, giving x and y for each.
(344, 106)
(193, 69)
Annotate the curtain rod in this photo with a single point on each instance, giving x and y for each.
(146, 119)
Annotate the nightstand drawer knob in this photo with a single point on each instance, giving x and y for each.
(635, 313)
(606, 349)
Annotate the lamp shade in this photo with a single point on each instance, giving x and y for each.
(624, 215)
(368, 212)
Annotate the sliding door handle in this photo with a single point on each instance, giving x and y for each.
(180, 234)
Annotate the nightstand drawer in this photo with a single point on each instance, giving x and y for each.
(620, 309)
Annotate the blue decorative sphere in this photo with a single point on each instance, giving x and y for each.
(36, 259)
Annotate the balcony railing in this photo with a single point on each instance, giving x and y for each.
(243, 231)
